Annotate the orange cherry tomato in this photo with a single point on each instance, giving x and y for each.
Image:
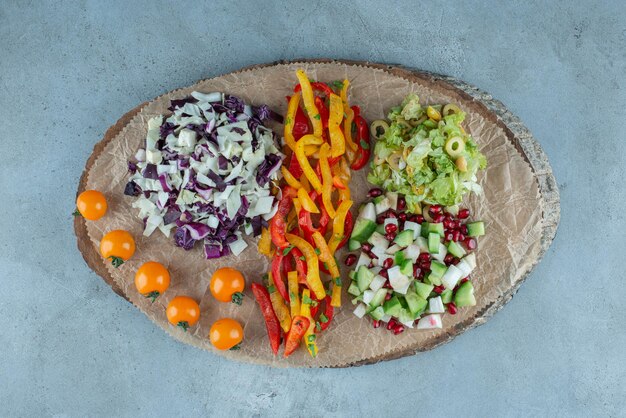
(183, 311)
(117, 245)
(91, 204)
(152, 279)
(227, 285)
(225, 334)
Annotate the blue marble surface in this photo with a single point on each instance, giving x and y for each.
(68, 70)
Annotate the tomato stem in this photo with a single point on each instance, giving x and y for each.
(153, 295)
(237, 298)
(184, 325)
(235, 347)
(116, 261)
(76, 213)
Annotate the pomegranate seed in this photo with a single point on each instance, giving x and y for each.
(438, 289)
(371, 255)
(366, 246)
(465, 279)
(448, 259)
(419, 219)
(425, 265)
(456, 235)
(470, 243)
(461, 236)
(416, 270)
(422, 274)
(375, 192)
(402, 216)
(463, 214)
(380, 219)
(401, 203)
(456, 261)
(391, 214)
(376, 323)
(434, 210)
(388, 263)
(350, 260)
(389, 228)
(452, 308)
(398, 329)
(447, 223)
(388, 295)
(384, 274)
(449, 216)
(387, 285)
(449, 236)
(390, 236)
(463, 229)
(424, 257)
(391, 324)
(455, 224)
(438, 218)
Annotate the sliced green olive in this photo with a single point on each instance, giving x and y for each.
(394, 160)
(455, 146)
(451, 109)
(403, 122)
(378, 128)
(418, 121)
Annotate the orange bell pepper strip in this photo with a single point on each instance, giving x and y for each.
(306, 202)
(309, 335)
(265, 242)
(278, 225)
(294, 293)
(327, 181)
(299, 326)
(290, 179)
(278, 303)
(325, 254)
(337, 140)
(313, 270)
(347, 122)
(271, 322)
(304, 161)
(342, 171)
(309, 103)
(339, 226)
(290, 120)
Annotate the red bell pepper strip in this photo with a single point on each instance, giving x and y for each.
(347, 230)
(262, 297)
(363, 141)
(321, 107)
(301, 124)
(278, 223)
(299, 325)
(294, 166)
(329, 311)
(300, 264)
(319, 86)
(277, 262)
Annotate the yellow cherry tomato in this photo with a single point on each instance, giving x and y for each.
(117, 245)
(152, 279)
(225, 334)
(183, 311)
(91, 204)
(227, 285)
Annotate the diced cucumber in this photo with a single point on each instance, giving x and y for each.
(406, 317)
(446, 296)
(379, 253)
(377, 282)
(353, 245)
(399, 258)
(393, 249)
(441, 255)
(423, 289)
(379, 297)
(464, 295)
(476, 229)
(453, 210)
(354, 289)
(398, 281)
(455, 249)
(471, 260)
(380, 228)
(429, 322)
(435, 305)
(433, 242)
(436, 228)
(364, 277)
(378, 240)
(382, 205)
(411, 252)
(464, 267)
(378, 199)
(413, 226)
(377, 313)
(422, 243)
(363, 229)
(404, 238)
(452, 277)
(368, 295)
(417, 304)
(406, 268)
(393, 200)
(392, 306)
(352, 275)
(364, 260)
(425, 227)
(359, 311)
(432, 280)
(437, 269)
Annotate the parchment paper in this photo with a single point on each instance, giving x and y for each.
(510, 206)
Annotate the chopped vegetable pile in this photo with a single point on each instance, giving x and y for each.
(206, 171)
(425, 154)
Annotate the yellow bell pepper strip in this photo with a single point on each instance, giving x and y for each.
(312, 263)
(325, 255)
(289, 178)
(335, 299)
(306, 202)
(342, 171)
(294, 296)
(339, 226)
(337, 141)
(278, 303)
(310, 150)
(309, 335)
(290, 119)
(305, 183)
(347, 122)
(304, 161)
(309, 103)
(327, 181)
(265, 242)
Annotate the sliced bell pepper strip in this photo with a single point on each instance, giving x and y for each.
(262, 297)
(309, 103)
(309, 335)
(313, 273)
(278, 303)
(324, 112)
(363, 153)
(316, 85)
(325, 255)
(347, 230)
(289, 178)
(337, 183)
(277, 277)
(305, 183)
(327, 180)
(294, 296)
(339, 224)
(290, 119)
(335, 116)
(299, 326)
(304, 161)
(294, 166)
(301, 126)
(300, 264)
(265, 242)
(325, 317)
(278, 224)
(306, 202)
(347, 122)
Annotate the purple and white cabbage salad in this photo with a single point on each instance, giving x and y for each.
(206, 171)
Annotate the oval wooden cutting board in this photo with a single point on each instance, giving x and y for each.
(519, 173)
